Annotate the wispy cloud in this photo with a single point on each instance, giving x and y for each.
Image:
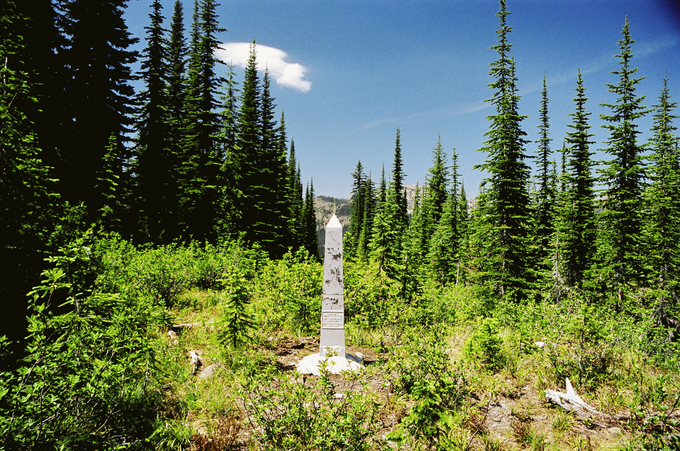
(455, 110)
(657, 45)
(289, 75)
(641, 49)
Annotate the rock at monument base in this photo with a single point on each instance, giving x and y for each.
(336, 364)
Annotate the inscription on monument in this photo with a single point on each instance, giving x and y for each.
(332, 320)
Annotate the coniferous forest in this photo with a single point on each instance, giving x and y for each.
(161, 274)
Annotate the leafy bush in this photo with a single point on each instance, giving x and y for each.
(287, 414)
(425, 373)
(289, 291)
(484, 346)
(370, 296)
(88, 378)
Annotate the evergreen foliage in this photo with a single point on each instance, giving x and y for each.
(310, 240)
(578, 199)
(623, 178)
(397, 186)
(296, 198)
(201, 156)
(507, 272)
(227, 216)
(436, 189)
(447, 239)
(370, 206)
(271, 226)
(662, 227)
(353, 234)
(246, 159)
(154, 170)
(237, 321)
(546, 199)
(99, 96)
(176, 117)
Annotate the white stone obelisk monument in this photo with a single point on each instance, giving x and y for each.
(332, 347)
(333, 305)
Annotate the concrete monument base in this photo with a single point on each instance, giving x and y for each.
(336, 364)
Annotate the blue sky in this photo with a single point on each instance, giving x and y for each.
(350, 72)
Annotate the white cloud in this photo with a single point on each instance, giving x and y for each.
(289, 75)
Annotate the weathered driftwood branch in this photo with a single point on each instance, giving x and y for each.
(573, 402)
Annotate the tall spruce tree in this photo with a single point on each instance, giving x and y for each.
(463, 234)
(663, 218)
(286, 186)
(436, 185)
(393, 216)
(296, 200)
(507, 271)
(100, 97)
(397, 185)
(382, 190)
(444, 243)
(577, 210)
(177, 118)
(202, 156)
(227, 217)
(358, 197)
(620, 259)
(545, 202)
(246, 158)
(154, 171)
(385, 245)
(434, 197)
(271, 227)
(310, 240)
(414, 238)
(370, 207)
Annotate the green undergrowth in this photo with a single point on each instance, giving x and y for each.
(112, 329)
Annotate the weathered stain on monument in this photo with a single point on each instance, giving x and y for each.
(331, 303)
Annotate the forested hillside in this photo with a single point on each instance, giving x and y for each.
(146, 225)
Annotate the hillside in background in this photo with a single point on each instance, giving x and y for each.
(326, 206)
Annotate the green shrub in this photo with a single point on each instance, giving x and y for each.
(484, 346)
(290, 415)
(287, 293)
(370, 296)
(425, 373)
(88, 378)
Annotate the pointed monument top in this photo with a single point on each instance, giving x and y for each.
(334, 223)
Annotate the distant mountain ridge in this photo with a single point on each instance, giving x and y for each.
(327, 205)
